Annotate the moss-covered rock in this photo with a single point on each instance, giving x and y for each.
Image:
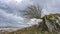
(50, 23)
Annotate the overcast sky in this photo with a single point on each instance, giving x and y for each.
(9, 10)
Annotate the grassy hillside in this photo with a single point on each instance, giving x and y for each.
(30, 30)
(43, 27)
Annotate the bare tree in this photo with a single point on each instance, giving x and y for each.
(33, 11)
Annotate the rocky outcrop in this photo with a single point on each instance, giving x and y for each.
(50, 23)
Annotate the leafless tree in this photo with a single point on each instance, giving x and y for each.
(33, 11)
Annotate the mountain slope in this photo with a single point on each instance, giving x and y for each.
(49, 25)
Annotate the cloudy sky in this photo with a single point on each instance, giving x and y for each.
(10, 14)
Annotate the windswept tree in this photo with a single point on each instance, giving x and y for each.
(49, 22)
(32, 11)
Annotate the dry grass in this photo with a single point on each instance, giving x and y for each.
(29, 30)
